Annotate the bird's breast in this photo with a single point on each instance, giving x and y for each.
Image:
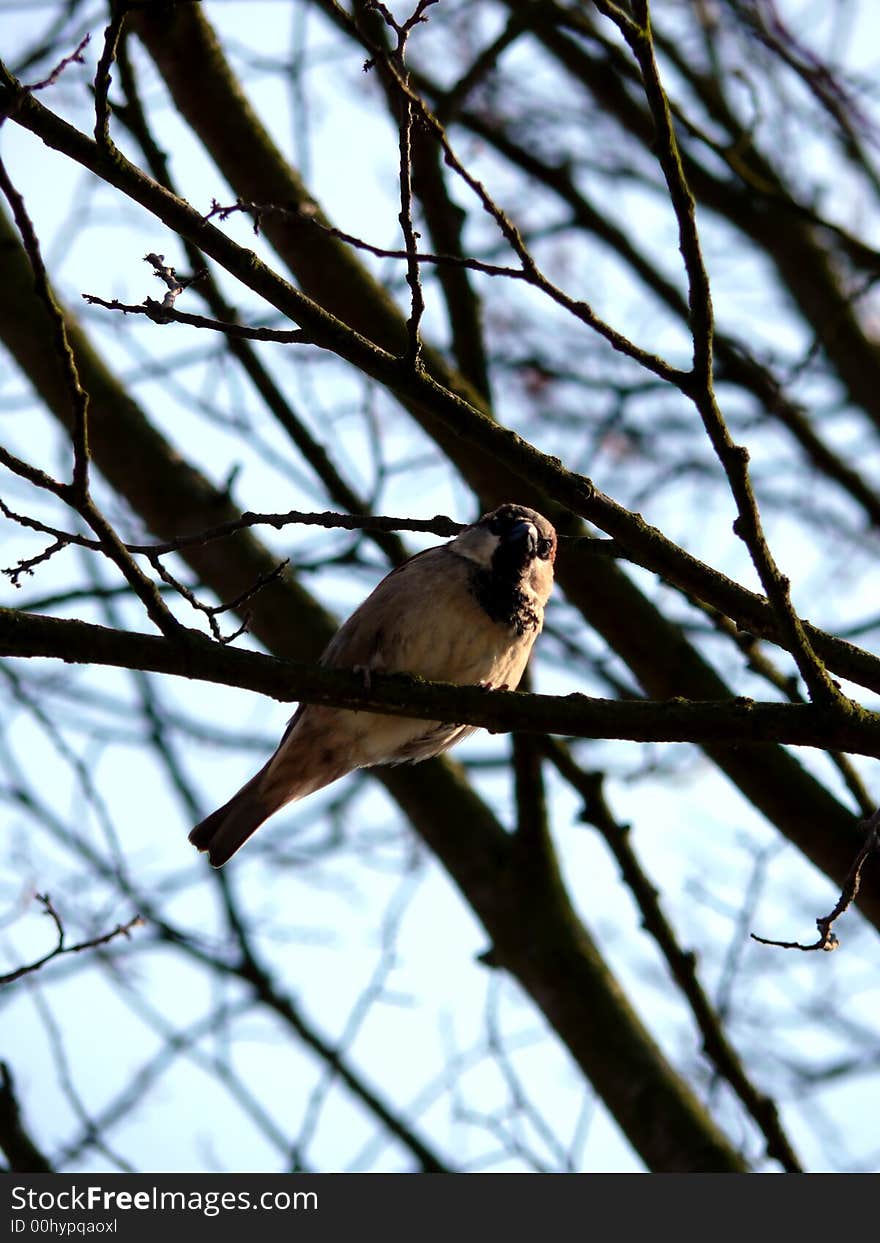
(459, 640)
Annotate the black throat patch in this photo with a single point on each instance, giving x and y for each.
(499, 592)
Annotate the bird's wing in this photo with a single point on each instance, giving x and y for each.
(381, 632)
(426, 619)
(370, 638)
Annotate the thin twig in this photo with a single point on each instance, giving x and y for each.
(828, 940)
(169, 277)
(163, 313)
(213, 611)
(121, 930)
(27, 564)
(405, 126)
(438, 525)
(75, 58)
(258, 210)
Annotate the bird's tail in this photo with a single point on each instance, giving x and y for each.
(227, 829)
(295, 770)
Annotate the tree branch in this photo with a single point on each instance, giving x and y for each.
(19, 1149)
(60, 948)
(828, 940)
(737, 721)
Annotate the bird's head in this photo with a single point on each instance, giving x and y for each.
(513, 543)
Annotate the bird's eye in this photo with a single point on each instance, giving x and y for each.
(496, 526)
(544, 546)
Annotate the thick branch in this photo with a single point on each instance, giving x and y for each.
(737, 721)
(19, 1149)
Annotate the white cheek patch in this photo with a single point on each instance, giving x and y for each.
(477, 545)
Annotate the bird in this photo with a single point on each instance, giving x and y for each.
(467, 611)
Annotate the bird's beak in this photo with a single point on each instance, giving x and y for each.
(525, 531)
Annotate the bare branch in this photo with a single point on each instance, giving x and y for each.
(438, 525)
(163, 313)
(213, 611)
(736, 721)
(121, 930)
(828, 940)
(75, 58)
(18, 1147)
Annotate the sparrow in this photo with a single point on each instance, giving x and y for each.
(467, 612)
